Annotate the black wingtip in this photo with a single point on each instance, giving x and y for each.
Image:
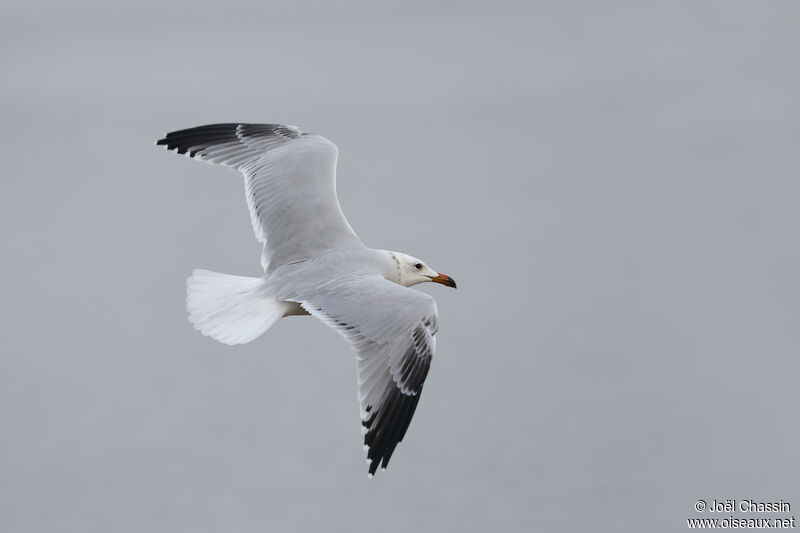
(198, 138)
(387, 427)
(373, 467)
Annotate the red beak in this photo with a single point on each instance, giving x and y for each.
(444, 280)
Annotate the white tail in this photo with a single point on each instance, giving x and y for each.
(231, 309)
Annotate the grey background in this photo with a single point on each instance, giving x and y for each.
(613, 185)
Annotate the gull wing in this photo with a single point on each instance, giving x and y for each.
(392, 329)
(290, 182)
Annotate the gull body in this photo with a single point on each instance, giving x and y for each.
(315, 264)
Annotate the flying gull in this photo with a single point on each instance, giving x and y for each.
(315, 264)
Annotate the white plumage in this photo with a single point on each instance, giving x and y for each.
(314, 263)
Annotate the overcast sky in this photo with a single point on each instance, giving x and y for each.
(614, 186)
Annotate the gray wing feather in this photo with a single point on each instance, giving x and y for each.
(392, 330)
(290, 183)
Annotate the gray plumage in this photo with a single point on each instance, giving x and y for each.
(315, 263)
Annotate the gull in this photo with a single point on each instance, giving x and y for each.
(315, 264)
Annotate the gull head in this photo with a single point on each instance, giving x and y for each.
(410, 271)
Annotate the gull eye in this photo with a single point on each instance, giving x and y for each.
(418, 266)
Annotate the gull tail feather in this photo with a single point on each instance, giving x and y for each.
(231, 309)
